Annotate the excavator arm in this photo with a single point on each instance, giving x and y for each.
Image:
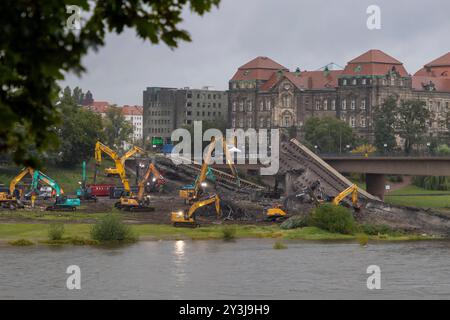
(353, 190)
(188, 218)
(128, 154)
(151, 170)
(18, 178)
(39, 176)
(99, 148)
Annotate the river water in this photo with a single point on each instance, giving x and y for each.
(244, 269)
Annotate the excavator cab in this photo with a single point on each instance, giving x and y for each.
(276, 213)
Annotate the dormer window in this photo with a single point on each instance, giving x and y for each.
(344, 82)
(364, 81)
(354, 82)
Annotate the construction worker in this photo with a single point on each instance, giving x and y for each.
(33, 199)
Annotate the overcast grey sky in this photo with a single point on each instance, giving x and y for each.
(296, 33)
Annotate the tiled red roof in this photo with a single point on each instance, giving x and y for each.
(440, 83)
(260, 68)
(99, 106)
(306, 80)
(374, 62)
(436, 68)
(132, 110)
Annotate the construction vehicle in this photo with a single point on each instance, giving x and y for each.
(191, 193)
(62, 202)
(353, 190)
(114, 171)
(156, 184)
(84, 192)
(11, 199)
(140, 202)
(188, 218)
(120, 167)
(276, 213)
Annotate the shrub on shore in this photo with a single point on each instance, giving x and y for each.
(111, 228)
(21, 243)
(332, 218)
(228, 233)
(299, 221)
(279, 245)
(363, 239)
(55, 231)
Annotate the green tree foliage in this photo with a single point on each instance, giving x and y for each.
(117, 128)
(435, 183)
(384, 125)
(333, 218)
(78, 132)
(330, 135)
(37, 48)
(412, 122)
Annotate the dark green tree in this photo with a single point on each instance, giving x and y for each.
(78, 132)
(330, 135)
(38, 45)
(117, 129)
(384, 125)
(412, 123)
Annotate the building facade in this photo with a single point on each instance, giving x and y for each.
(265, 94)
(166, 109)
(133, 114)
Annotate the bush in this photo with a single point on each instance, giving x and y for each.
(295, 222)
(228, 233)
(55, 231)
(279, 245)
(373, 230)
(336, 219)
(21, 243)
(111, 228)
(363, 239)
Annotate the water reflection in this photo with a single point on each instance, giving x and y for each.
(179, 263)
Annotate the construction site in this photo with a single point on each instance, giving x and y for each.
(153, 189)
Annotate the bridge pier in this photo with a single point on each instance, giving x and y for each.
(375, 184)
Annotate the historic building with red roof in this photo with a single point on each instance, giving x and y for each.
(265, 94)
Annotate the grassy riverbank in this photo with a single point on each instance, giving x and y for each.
(421, 198)
(38, 232)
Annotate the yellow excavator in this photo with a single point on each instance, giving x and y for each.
(114, 171)
(192, 192)
(139, 202)
(188, 218)
(11, 200)
(353, 190)
(120, 167)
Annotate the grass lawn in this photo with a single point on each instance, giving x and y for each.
(39, 232)
(67, 178)
(417, 197)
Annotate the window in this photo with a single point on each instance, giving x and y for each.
(249, 105)
(241, 122)
(261, 105)
(352, 121)
(286, 101)
(249, 121)
(268, 122)
(344, 104)
(344, 82)
(363, 122)
(325, 104)
(317, 105)
(268, 105)
(233, 122)
(392, 81)
(353, 105)
(364, 81)
(363, 104)
(333, 104)
(261, 122)
(354, 82)
(241, 105)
